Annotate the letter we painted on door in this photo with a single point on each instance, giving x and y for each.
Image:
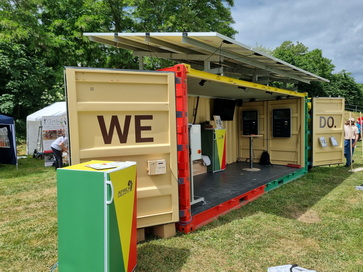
(140, 123)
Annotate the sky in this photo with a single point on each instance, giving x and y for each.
(333, 26)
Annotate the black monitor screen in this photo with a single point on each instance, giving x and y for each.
(224, 108)
(250, 122)
(281, 123)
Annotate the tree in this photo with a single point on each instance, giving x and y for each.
(184, 15)
(39, 37)
(340, 85)
(26, 82)
(181, 16)
(343, 85)
(312, 61)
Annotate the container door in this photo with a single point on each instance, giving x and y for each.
(123, 115)
(327, 138)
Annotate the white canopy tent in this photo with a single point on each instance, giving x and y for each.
(34, 124)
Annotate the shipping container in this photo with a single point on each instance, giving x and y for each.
(197, 137)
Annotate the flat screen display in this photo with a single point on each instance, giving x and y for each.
(281, 123)
(224, 108)
(250, 122)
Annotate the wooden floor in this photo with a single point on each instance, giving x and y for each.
(222, 186)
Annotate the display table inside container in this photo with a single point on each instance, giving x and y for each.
(251, 168)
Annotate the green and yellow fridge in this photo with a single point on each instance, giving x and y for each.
(97, 228)
(214, 146)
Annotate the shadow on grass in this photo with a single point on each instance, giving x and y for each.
(152, 257)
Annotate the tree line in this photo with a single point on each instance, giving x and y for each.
(38, 38)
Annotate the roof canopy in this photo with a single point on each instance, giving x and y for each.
(55, 109)
(7, 120)
(211, 52)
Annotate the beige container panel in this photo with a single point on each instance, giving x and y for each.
(141, 108)
(259, 143)
(150, 87)
(204, 114)
(327, 119)
(288, 150)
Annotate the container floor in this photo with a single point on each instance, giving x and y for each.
(222, 186)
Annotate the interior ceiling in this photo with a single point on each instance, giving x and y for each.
(210, 52)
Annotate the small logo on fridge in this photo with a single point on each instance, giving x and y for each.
(126, 190)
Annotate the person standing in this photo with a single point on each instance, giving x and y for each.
(350, 140)
(58, 147)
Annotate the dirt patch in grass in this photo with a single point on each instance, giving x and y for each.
(310, 216)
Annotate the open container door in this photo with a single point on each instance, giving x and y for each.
(122, 115)
(327, 137)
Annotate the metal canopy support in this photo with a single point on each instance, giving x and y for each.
(103, 41)
(137, 46)
(141, 62)
(179, 56)
(171, 47)
(206, 65)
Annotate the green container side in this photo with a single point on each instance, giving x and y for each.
(285, 179)
(80, 220)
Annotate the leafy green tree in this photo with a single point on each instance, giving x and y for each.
(340, 85)
(312, 61)
(39, 37)
(184, 15)
(26, 83)
(68, 46)
(343, 85)
(181, 16)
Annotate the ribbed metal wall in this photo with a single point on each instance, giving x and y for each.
(282, 150)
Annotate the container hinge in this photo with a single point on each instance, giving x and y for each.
(182, 147)
(183, 213)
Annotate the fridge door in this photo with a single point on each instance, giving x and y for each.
(122, 226)
(214, 146)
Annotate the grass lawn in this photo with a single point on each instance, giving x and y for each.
(315, 222)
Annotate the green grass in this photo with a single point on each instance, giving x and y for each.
(315, 221)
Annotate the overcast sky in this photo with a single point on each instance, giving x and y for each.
(334, 26)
